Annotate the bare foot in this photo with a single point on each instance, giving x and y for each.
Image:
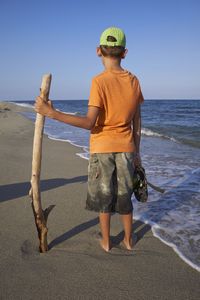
(105, 246)
(128, 244)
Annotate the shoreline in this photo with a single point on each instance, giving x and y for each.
(74, 254)
(29, 108)
(146, 131)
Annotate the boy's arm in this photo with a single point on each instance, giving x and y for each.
(86, 122)
(137, 133)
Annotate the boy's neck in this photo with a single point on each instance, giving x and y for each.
(112, 64)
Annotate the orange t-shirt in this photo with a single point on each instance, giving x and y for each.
(117, 94)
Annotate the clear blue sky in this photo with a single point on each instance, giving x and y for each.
(60, 37)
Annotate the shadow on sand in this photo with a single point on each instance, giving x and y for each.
(17, 190)
(116, 240)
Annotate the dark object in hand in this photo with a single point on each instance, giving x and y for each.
(140, 184)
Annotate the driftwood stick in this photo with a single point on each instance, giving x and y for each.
(39, 215)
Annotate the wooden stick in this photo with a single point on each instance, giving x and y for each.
(40, 215)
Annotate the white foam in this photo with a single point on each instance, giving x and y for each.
(155, 226)
(176, 250)
(56, 139)
(23, 104)
(174, 215)
(63, 140)
(148, 132)
(83, 155)
(68, 112)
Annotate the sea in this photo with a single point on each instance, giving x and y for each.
(170, 151)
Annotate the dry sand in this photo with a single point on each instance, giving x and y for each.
(75, 266)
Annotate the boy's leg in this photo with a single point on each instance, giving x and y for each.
(104, 219)
(128, 224)
(125, 171)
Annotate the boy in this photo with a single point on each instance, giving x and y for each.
(114, 120)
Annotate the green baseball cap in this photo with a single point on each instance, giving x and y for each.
(117, 34)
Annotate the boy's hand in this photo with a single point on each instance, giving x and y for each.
(44, 108)
(137, 160)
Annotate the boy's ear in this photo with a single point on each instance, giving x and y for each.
(98, 50)
(124, 54)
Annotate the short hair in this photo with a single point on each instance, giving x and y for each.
(112, 51)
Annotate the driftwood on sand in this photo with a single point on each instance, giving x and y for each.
(40, 215)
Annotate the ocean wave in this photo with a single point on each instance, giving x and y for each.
(55, 138)
(23, 104)
(175, 248)
(155, 230)
(68, 112)
(83, 155)
(173, 216)
(149, 132)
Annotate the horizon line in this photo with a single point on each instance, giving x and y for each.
(146, 99)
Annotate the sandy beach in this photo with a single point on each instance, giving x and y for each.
(75, 267)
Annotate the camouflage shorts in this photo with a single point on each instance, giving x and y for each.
(110, 182)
